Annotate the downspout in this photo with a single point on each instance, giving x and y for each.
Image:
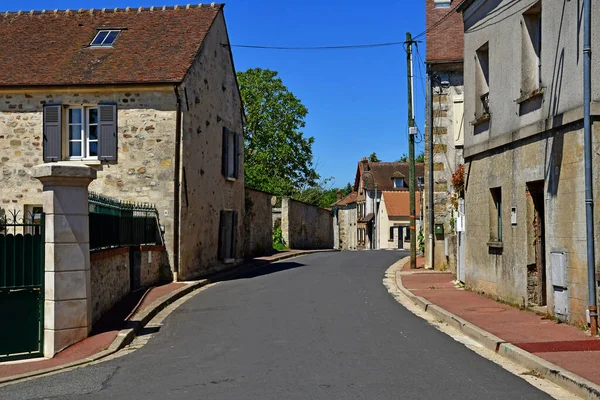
(430, 162)
(589, 194)
(176, 185)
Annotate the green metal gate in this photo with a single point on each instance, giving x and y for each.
(21, 286)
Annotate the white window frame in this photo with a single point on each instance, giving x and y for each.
(85, 130)
(108, 32)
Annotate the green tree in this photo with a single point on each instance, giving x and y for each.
(418, 158)
(347, 190)
(278, 157)
(404, 158)
(373, 157)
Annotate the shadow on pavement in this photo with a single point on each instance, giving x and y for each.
(256, 270)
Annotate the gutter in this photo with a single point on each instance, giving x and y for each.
(176, 185)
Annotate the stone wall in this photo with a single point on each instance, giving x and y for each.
(143, 172)
(154, 266)
(110, 279)
(211, 102)
(448, 139)
(258, 224)
(305, 226)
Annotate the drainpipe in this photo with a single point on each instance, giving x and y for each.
(587, 134)
(431, 188)
(176, 185)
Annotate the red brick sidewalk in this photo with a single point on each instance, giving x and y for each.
(103, 334)
(561, 344)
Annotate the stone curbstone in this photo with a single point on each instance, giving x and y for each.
(573, 383)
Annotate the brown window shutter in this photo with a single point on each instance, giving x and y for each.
(107, 132)
(225, 163)
(52, 133)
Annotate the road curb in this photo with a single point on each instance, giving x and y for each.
(574, 383)
(141, 319)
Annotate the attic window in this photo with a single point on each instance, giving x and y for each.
(105, 38)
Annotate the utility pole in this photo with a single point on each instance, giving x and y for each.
(411, 151)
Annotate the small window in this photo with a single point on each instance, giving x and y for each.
(398, 182)
(407, 234)
(483, 81)
(82, 132)
(105, 38)
(420, 180)
(531, 34)
(496, 214)
(392, 233)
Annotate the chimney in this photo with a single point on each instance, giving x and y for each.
(339, 194)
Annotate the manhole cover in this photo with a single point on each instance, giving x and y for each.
(486, 309)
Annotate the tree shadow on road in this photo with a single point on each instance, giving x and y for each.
(255, 270)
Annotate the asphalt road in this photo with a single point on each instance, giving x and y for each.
(320, 326)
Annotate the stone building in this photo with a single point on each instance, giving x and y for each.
(148, 97)
(345, 223)
(525, 202)
(444, 62)
(371, 179)
(393, 218)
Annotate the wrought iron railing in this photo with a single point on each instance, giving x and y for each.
(115, 223)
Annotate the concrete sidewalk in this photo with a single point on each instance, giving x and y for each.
(521, 335)
(120, 324)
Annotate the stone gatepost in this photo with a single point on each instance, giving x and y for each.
(67, 305)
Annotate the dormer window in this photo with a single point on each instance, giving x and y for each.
(398, 182)
(105, 38)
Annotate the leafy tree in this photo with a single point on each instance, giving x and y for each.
(373, 157)
(278, 158)
(418, 158)
(347, 190)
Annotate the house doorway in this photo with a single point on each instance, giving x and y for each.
(536, 243)
(400, 237)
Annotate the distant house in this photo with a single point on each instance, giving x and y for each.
(373, 178)
(345, 222)
(146, 96)
(394, 219)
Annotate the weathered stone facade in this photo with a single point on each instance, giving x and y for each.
(305, 226)
(211, 102)
(110, 279)
(347, 225)
(258, 224)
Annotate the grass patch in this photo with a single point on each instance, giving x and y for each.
(280, 247)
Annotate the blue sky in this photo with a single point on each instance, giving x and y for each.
(356, 98)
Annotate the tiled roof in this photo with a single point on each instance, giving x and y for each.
(383, 172)
(397, 204)
(351, 198)
(445, 32)
(156, 45)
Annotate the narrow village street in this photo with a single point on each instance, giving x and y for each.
(320, 326)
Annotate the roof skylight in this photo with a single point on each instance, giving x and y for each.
(105, 38)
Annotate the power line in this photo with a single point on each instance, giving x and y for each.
(342, 47)
(438, 22)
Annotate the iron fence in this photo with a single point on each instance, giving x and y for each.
(115, 223)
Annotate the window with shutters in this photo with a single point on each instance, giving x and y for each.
(75, 132)
(228, 236)
(231, 154)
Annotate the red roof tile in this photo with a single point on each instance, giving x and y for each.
(48, 48)
(383, 172)
(445, 32)
(351, 198)
(397, 204)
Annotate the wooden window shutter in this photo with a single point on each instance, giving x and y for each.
(52, 133)
(225, 163)
(107, 132)
(234, 230)
(222, 240)
(236, 156)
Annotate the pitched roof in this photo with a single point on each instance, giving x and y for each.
(383, 172)
(351, 198)
(52, 48)
(445, 33)
(397, 204)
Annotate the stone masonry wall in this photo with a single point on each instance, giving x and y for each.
(447, 156)
(211, 102)
(110, 279)
(154, 265)
(305, 226)
(348, 227)
(557, 159)
(143, 172)
(258, 224)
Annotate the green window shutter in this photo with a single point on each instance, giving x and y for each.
(222, 240)
(107, 132)
(234, 230)
(52, 133)
(236, 155)
(225, 163)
